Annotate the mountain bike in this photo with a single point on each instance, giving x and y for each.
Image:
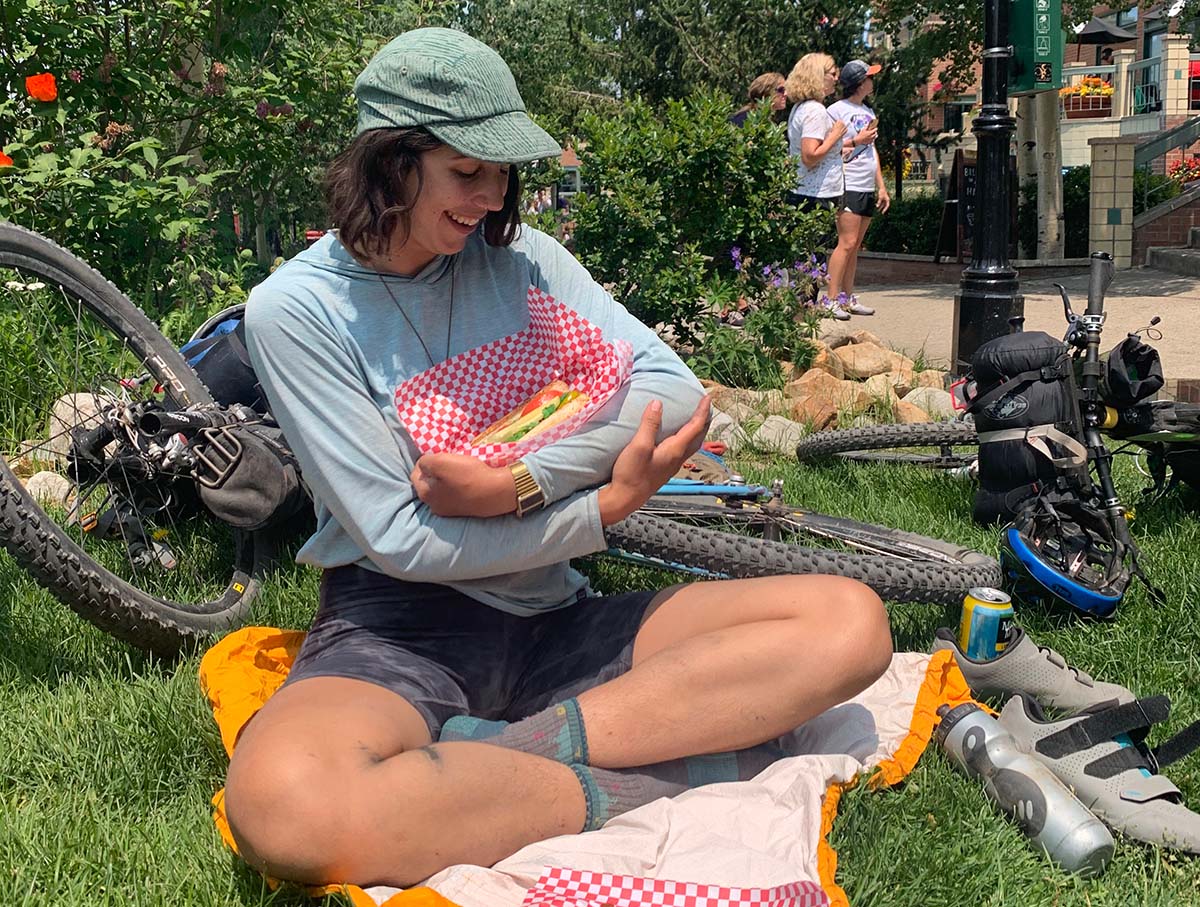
(100, 417)
(1163, 434)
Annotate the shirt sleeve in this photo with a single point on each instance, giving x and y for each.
(352, 460)
(816, 122)
(585, 458)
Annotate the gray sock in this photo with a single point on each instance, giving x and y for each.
(610, 793)
(715, 768)
(554, 733)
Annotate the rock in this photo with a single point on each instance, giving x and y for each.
(900, 362)
(930, 377)
(861, 336)
(725, 428)
(835, 341)
(778, 435)
(935, 402)
(788, 369)
(70, 411)
(908, 413)
(48, 488)
(880, 388)
(862, 360)
(902, 381)
(812, 381)
(827, 361)
(742, 402)
(815, 413)
(820, 385)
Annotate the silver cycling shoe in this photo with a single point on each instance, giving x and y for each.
(1102, 756)
(1026, 667)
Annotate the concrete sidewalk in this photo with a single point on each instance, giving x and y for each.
(920, 319)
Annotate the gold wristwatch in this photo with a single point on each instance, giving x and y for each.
(529, 493)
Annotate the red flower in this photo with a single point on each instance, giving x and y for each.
(5, 160)
(42, 87)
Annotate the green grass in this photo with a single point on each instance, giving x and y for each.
(108, 760)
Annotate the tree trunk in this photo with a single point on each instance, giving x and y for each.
(898, 169)
(1049, 161)
(262, 248)
(1027, 162)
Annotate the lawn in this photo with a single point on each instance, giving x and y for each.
(110, 759)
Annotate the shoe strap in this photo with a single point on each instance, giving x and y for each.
(1061, 663)
(1185, 742)
(1133, 718)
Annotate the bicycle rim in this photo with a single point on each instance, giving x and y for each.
(130, 551)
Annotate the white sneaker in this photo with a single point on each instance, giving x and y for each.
(857, 308)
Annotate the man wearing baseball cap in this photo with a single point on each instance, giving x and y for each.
(865, 190)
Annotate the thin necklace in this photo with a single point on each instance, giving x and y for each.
(413, 327)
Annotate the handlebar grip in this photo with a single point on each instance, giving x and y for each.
(1099, 278)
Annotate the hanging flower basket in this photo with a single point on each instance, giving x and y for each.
(1091, 97)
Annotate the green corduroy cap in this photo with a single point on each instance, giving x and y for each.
(457, 88)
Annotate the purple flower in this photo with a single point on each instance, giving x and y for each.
(778, 281)
(736, 253)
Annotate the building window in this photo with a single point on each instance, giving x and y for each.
(1128, 17)
(952, 116)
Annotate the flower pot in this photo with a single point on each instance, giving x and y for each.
(1077, 107)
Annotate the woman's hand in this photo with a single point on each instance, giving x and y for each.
(867, 136)
(883, 201)
(458, 485)
(643, 466)
(836, 131)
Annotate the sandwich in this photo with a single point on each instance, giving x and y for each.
(552, 405)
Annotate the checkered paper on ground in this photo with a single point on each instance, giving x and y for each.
(579, 888)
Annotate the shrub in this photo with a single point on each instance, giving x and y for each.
(676, 187)
(909, 226)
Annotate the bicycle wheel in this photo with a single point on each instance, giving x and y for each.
(128, 550)
(905, 444)
(718, 540)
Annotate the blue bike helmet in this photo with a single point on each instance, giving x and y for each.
(1063, 552)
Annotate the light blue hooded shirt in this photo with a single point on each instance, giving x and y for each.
(329, 348)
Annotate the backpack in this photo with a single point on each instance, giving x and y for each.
(1026, 411)
(217, 353)
(246, 472)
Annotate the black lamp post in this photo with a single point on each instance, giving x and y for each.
(988, 293)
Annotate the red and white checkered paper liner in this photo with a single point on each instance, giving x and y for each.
(580, 888)
(446, 406)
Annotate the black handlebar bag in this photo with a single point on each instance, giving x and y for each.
(1132, 372)
(1026, 411)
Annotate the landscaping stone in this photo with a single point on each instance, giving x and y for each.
(861, 336)
(908, 413)
(862, 360)
(902, 381)
(880, 388)
(814, 412)
(827, 361)
(930, 377)
(723, 427)
(70, 411)
(48, 488)
(819, 385)
(935, 402)
(778, 435)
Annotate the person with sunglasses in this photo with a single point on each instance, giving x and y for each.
(768, 85)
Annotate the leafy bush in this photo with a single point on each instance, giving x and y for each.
(734, 358)
(677, 186)
(909, 226)
(1077, 188)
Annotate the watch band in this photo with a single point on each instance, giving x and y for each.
(529, 493)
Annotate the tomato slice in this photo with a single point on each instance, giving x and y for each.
(540, 399)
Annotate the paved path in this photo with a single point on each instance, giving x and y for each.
(921, 318)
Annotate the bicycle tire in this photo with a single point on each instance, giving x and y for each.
(882, 444)
(31, 535)
(726, 554)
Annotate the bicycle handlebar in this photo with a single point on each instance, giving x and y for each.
(1099, 277)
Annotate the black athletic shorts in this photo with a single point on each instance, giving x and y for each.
(860, 203)
(448, 654)
(812, 202)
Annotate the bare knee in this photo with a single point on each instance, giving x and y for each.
(282, 811)
(859, 632)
